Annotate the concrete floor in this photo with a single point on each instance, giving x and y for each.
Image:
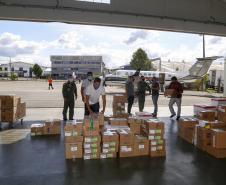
(41, 161)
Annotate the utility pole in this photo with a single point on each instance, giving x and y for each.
(203, 46)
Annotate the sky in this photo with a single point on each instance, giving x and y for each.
(35, 42)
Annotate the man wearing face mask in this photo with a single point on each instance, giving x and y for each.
(142, 87)
(93, 93)
(69, 92)
(86, 83)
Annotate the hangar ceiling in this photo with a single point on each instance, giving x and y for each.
(192, 16)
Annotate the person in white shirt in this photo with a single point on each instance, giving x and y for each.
(85, 83)
(93, 93)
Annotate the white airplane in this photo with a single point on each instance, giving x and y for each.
(197, 71)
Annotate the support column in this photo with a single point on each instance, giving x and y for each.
(225, 77)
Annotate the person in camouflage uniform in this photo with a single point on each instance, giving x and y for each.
(142, 87)
(69, 92)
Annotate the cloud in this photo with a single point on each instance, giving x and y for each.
(13, 45)
(140, 34)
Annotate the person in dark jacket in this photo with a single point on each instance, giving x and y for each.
(130, 93)
(69, 92)
(176, 97)
(155, 95)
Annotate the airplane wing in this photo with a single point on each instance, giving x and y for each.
(200, 68)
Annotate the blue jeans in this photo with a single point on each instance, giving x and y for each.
(155, 103)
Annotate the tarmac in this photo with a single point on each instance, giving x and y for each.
(26, 160)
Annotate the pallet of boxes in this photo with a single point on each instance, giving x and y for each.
(12, 109)
(83, 138)
(208, 130)
(49, 127)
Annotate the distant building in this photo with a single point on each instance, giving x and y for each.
(22, 69)
(64, 65)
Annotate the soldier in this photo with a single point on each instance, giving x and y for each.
(69, 91)
(142, 86)
(130, 93)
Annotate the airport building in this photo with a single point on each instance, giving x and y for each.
(22, 69)
(62, 66)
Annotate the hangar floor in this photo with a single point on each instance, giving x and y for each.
(41, 161)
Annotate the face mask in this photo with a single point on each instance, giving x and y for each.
(96, 86)
(90, 78)
(70, 80)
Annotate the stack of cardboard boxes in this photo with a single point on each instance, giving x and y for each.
(217, 147)
(92, 139)
(126, 143)
(141, 146)
(109, 144)
(207, 115)
(135, 125)
(73, 139)
(207, 133)
(12, 109)
(154, 130)
(50, 127)
(118, 106)
(186, 129)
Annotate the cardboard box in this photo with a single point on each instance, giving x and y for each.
(73, 150)
(52, 127)
(101, 119)
(221, 114)
(110, 136)
(203, 144)
(170, 92)
(218, 101)
(91, 156)
(199, 108)
(87, 145)
(9, 101)
(135, 128)
(92, 139)
(152, 128)
(218, 138)
(141, 146)
(92, 150)
(188, 122)
(119, 98)
(21, 113)
(73, 130)
(9, 115)
(118, 121)
(207, 115)
(126, 151)
(126, 137)
(108, 155)
(37, 129)
(217, 153)
(158, 153)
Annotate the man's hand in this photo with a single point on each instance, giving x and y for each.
(83, 99)
(102, 112)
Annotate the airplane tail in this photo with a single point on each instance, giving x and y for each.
(200, 68)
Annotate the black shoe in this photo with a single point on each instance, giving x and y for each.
(154, 115)
(178, 117)
(65, 119)
(172, 115)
